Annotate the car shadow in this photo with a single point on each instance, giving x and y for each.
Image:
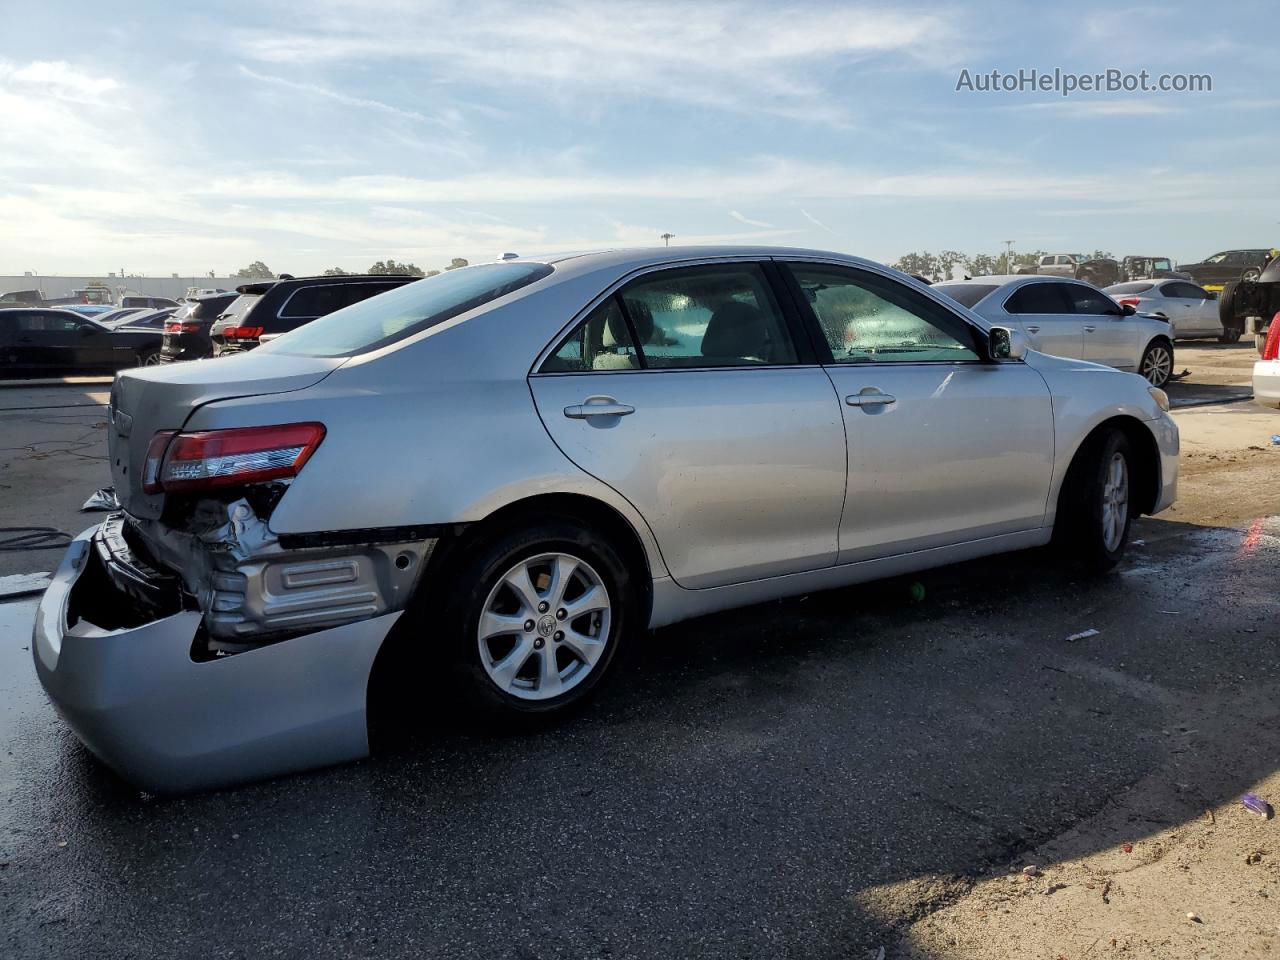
(798, 778)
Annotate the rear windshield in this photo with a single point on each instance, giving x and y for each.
(404, 311)
(208, 309)
(238, 309)
(966, 294)
(1130, 288)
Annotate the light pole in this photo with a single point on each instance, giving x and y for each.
(1008, 256)
(666, 239)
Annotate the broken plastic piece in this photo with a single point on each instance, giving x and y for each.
(1259, 806)
(1083, 635)
(103, 499)
(1275, 439)
(917, 592)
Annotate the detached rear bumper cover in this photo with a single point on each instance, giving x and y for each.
(168, 723)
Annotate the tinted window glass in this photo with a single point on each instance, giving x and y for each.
(308, 302)
(1039, 298)
(53, 321)
(208, 309)
(869, 318)
(717, 316)
(1135, 287)
(406, 310)
(968, 294)
(601, 342)
(1090, 301)
(1181, 290)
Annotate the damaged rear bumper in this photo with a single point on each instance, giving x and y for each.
(169, 722)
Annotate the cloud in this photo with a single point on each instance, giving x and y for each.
(713, 53)
(1102, 108)
(363, 103)
(58, 79)
(815, 221)
(748, 221)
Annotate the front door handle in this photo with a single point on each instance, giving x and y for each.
(1031, 329)
(870, 399)
(1089, 328)
(598, 407)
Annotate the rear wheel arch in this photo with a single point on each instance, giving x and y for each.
(458, 544)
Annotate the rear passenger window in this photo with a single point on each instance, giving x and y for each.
(601, 342)
(714, 316)
(1090, 301)
(1039, 298)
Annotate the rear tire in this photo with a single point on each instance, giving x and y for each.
(566, 581)
(1092, 524)
(1231, 335)
(148, 358)
(1157, 362)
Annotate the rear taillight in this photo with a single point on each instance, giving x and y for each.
(228, 458)
(243, 333)
(1271, 349)
(177, 326)
(1130, 301)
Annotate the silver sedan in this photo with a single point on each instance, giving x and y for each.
(1191, 310)
(1071, 318)
(507, 473)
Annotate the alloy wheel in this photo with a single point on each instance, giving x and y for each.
(1157, 365)
(544, 626)
(1115, 502)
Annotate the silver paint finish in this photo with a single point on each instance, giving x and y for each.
(739, 472)
(167, 723)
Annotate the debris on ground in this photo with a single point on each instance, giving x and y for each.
(1083, 635)
(103, 499)
(1031, 870)
(917, 592)
(1194, 918)
(1259, 806)
(1127, 848)
(1275, 439)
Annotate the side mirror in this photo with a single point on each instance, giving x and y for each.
(1006, 344)
(1127, 309)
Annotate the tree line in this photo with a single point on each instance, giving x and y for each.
(941, 266)
(260, 271)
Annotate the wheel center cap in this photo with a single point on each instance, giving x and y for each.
(546, 626)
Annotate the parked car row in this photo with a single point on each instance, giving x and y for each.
(1216, 270)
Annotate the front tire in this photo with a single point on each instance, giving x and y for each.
(1230, 335)
(1157, 362)
(539, 617)
(1093, 520)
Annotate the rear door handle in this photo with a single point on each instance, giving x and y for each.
(870, 399)
(1089, 328)
(1031, 329)
(598, 407)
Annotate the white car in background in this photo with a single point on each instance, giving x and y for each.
(1190, 309)
(1070, 318)
(1266, 372)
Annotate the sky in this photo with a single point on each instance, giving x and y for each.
(157, 139)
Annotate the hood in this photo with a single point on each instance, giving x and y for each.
(150, 399)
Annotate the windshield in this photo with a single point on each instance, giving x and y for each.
(965, 294)
(406, 310)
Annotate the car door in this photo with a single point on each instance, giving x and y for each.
(1108, 338)
(943, 446)
(48, 338)
(10, 356)
(1186, 310)
(1047, 317)
(688, 392)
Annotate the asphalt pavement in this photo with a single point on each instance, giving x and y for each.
(797, 779)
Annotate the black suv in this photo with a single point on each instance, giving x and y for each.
(186, 333)
(1228, 265)
(266, 309)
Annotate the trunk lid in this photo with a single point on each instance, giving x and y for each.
(149, 399)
